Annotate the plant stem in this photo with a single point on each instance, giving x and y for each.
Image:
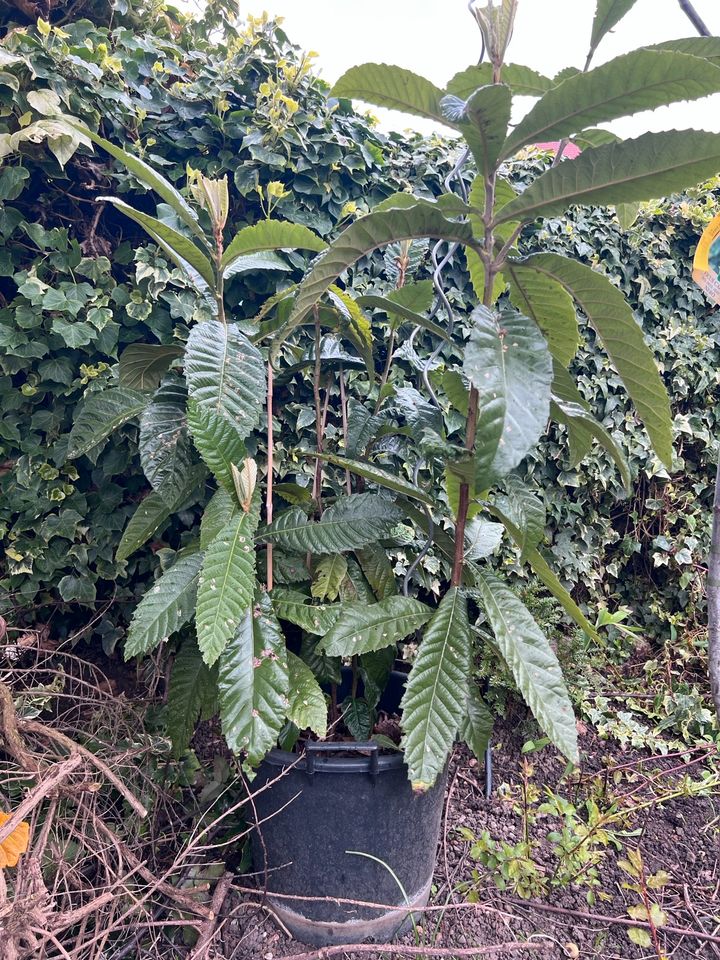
(269, 488)
(319, 426)
(713, 598)
(344, 412)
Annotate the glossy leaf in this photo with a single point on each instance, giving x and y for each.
(192, 692)
(361, 628)
(531, 659)
(477, 724)
(525, 510)
(653, 165)
(434, 700)
(142, 365)
(270, 235)
(378, 571)
(167, 605)
(218, 514)
(374, 669)
(102, 413)
(295, 607)
(253, 683)
(383, 478)
(164, 448)
(613, 320)
(225, 374)
(330, 572)
(217, 441)
(582, 429)
(307, 709)
(358, 718)
(482, 538)
(547, 303)
(226, 586)
(392, 87)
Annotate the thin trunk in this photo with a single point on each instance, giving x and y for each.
(269, 488)
(713, 598)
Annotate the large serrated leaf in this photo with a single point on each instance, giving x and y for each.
(330, 571)
(708, 48)
(378, 570)
(219, 512)
(361, 627)
(640, 80)
(482, 538)
(350, 523)
(142, 365)
(307, 710)
(582, 429)
(153, 512)
(523, 81)
(508, 362)
(253, 683)
(483, 121)
(423, 219)
(400, 311)
(653, 165)
(270, 235)
(477, 724)
(225, 374)
(167, 605)
(217, 441)
(164, 448)
(227, 584)
(531, 659)
(607, 14)
(383, 478)
(547, 303)
(356, 326)
(295, 607)
(525, 510)
(613, 320)
(192, 692)
(100, 414)
(392, 87)
(433, 704)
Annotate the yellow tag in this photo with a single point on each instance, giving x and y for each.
(706, 265)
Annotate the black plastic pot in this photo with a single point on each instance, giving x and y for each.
(317, 814)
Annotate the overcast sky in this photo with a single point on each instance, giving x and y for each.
(436, 38)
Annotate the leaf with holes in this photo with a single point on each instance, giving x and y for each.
(100, 414)
(362, 627)
(434, 700)
(253, 683)
(329, 573)
(227, 584)
(531, 659)
(295, 607)
(307, 710)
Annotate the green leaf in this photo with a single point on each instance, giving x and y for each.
(219, 512)
(183, 247)
(477, 724)
(607, 14)
(423, 219)
(351, 522)
(640, 80)
(394, 309)
(483, 120)
(326, 669)
(253, 683)
(639, 936)
(293, 606)
(217, 441)
(613, 320)
(251, 262)
(582, 428)
(653, 165)
(153, 512)
(627, 214)
(167, 605)
(532, 662)
(193, 685)
(227, 584)
(383, 478)
(433, 704)
(100, 414)
(307, 710)
(225, 374)
(330, 572)
(523, 81)
(142, 365)
(270, 235)
(378, 570)
(417, 296)
(525, 510)
(293, 493)
(708, 48)
(547, 303)
(357, 326)
(391, 87)
(164, 448)
(146, 175)
(375, 669)
(482, 538)
(507, 361)
(361, 628)
(358, 718)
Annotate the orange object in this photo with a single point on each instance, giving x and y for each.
(12, 847)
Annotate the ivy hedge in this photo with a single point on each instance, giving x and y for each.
(78, 284)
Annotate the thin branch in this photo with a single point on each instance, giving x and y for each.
(400, 950)
(694, 17)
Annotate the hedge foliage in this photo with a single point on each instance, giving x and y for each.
(77, 285)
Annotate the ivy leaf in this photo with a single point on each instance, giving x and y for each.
(165, 448)
(640, 80)
(392, 87)
(433, 704)
(482, 538)
(613, 320)
(153, 512)
(226, 587)
(293, 606)
(607, 14)
(307, 710)
(142, 365)
(351, 522)
(362, 627)
(330, 572)
(253, 683)
(100, 414)
(546, 302)
(167, 605)
(217, 441)
(477, 725)
(270, 235)
(192, 692)
(378, 570)
(225, 374)
(531, 659)
(653, 165)
(383, 478)
(507, 361)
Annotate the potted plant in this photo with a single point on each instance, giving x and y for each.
(298, 613)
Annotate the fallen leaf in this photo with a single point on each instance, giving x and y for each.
(16, 844)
